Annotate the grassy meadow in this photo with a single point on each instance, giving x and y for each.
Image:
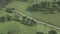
(18, 28)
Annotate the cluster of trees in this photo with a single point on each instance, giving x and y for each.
(16, 18)
(5, 18)
(58, 2)
(10, 10)
(48, 7)
(28, 21)
(9, 18)
(49, 32)
(40, 33)
(3, 3)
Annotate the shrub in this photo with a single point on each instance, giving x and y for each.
(2, 19)
(40, 33)
(52, 32)
(10, 10)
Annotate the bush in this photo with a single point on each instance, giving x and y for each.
(33, 8)
(10, 10)
(22, 0)
(40, 33)
(28, 21)
(2, 19)
(9, 18)
(52, 32)
(10, 32)
(44, 7)
(16, 18)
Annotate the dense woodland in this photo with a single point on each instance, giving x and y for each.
(47, 7)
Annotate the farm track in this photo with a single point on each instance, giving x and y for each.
(40, 22)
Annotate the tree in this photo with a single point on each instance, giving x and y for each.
(17, 17)
(10, 10)
(32, 22)
(39, 33)
(52, 32)
(24, 19)
(9, 18)
(10, 32)
(58, 2)
(33, 8)
(2, 19)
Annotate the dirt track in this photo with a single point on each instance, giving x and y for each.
(52, 26)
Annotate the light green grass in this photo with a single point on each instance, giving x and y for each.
(17, 27)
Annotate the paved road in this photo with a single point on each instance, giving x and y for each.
(52, 26)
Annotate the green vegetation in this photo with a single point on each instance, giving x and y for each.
(40, 33)
(28, 21)
(52, 32)
(15, 27)
(10, 10)
(16, 24)
(48, 18)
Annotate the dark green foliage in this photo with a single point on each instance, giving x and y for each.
(8, 1)
(10, 10)
(33, 8)
(6, 18)
(2, 19)
(58, 2)
(52, 32)
(45, 7)
(40, 33)
(32, 22)
(16, 18)
(9, 18)
(28, 21)
(10, 32)
(22, 0)
(24, 19)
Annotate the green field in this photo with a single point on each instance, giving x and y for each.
(48, 18)
(18, 28)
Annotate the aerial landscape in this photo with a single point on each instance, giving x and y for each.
(29, 16)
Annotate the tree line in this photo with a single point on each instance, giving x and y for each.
(48, 7)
